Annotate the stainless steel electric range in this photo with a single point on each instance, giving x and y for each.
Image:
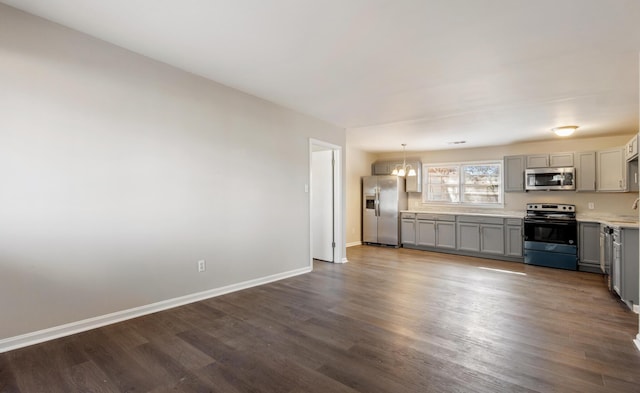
(551, 235)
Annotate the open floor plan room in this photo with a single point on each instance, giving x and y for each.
(390, 320)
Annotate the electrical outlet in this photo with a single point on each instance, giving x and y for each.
(202, 265)
(591, 205)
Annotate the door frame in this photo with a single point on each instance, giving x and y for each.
(339, 255)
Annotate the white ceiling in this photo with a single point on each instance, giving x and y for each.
(421, 72)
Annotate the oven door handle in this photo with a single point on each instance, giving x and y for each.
(554, 222)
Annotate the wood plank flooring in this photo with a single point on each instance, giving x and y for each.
(390, 320)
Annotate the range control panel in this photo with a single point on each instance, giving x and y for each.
(550, 207)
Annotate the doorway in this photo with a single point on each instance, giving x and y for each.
(325, 202)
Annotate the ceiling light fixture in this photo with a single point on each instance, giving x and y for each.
(405, 169)
(565, 130)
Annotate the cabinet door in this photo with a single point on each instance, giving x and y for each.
(446, 234)
(414, 183)
(382, 168)
(632, 176)
(560, 160)
(514, 173)
(492, 239)
(514, 241)
(538, 161)
(426, 233)
(408, 231)
(631, 148)
(630, 276)
(589, 241)
(468, 236)
(611, 170)
(585, 170)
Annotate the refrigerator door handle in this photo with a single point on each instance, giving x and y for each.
(377, 203)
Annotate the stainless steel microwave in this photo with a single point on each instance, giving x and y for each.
(545, 179)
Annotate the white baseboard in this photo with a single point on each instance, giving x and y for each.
(637, 341)
(354, 244)
(11, 343)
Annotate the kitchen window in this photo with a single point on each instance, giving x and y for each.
(465, 183)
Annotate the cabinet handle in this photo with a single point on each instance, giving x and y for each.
(620, 183)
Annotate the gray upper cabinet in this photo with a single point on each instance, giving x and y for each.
(585, 170)
(555, 160)
(611, 170)
(381, 168)
(538, 161)
(561, 160)
(514, 173)
(631, 148)
(412, 183)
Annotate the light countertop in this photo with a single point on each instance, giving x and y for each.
(607, 219)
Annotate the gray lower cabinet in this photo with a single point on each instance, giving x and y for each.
(481, 234)
(585, 170)
(426, 233)
(408, 229)
(446, 234)
(436, 230)
(625, 262)
(513, 237)
(589, 247)
(489, 236)
(492, 239)
(468, 236)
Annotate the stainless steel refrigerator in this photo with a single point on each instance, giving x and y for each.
(382, 199)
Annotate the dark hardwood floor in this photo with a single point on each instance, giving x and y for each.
(390, 320)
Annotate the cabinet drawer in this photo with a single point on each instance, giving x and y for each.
(426, 216)
(481, 220)
(514, 221)
(408, 216)
(445, 217)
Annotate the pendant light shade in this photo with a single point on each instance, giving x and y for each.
(404, 170)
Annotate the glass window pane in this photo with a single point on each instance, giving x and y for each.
(443, 193)
(482, 194)
(464, 183)
(443, 175)
(481, 174)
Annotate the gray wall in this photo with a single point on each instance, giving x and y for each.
(118, 173)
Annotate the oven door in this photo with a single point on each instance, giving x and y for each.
(550, 231)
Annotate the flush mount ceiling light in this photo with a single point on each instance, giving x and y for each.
(405, 169)
(565, 130)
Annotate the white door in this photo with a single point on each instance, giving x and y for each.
(322, 205)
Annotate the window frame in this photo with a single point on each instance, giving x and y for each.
(461, 186)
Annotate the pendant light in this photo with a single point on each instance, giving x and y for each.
(405, 169)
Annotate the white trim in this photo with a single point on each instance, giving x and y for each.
(338, 222)
(344, 260)
(637, 341)
(11, 343)
(353, 244)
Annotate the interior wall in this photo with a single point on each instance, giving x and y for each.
(358, 165)
(119, 173)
